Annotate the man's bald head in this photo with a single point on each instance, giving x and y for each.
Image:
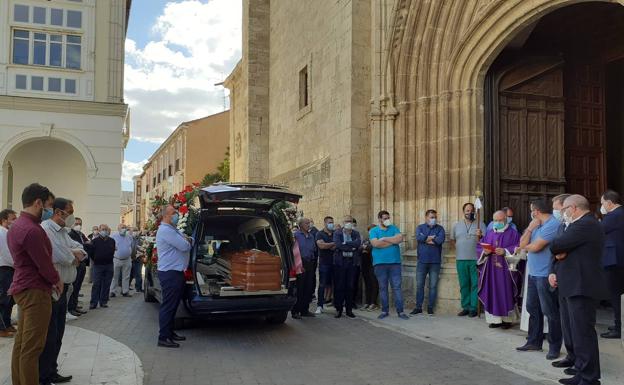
(500, 216)
(578, 201)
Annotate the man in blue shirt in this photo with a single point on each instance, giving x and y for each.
(122, 262)
(430, 236)
(541, 299)
(307, 281)
(173, 258)
(385, 239)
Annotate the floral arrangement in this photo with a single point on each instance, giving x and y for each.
(184, 202)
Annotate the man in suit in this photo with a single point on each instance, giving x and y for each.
(613, 256)
(579, 276)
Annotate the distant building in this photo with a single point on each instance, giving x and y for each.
(127, 208)
(193, 150)
(63, 121)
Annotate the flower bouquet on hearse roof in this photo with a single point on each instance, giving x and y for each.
(185, 202)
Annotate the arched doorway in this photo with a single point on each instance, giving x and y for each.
(554, 101)
(50, 162)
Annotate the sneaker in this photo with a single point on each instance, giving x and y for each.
(70, 317)
(365, 308)
(430, 311)
(416, 311)
(383, 315)
(373, 307)
(403, 316)
(319, 310)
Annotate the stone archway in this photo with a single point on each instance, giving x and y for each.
(433, 113)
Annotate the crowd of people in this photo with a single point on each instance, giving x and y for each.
(565, 255)
(44, 257)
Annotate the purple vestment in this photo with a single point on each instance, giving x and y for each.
(499, 288)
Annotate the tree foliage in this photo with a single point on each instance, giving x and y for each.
(222, 174)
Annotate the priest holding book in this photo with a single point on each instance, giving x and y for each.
(499, 286)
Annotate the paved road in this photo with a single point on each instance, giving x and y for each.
(321, 350)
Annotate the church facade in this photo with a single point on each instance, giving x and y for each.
(407, 105)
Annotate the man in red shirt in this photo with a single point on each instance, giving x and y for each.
(33, 282)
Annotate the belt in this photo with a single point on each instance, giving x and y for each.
(121, 259)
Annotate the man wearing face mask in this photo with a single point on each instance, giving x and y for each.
(81, 270)
(326, 247)
(307, 281)
(103, 252)
(34, 280)
(122, 262)
(346, 258)
(7, 217)
(509, 213)
(385, 239)
(66, 255)
(173, 259)
(499, 287)
(430, 237)
(579, 277)
(465, 235)
(613, 256)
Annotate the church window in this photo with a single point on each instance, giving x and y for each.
(303, 88)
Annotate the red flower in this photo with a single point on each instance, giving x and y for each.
(183, 210)
(182, 198)
(188, 189)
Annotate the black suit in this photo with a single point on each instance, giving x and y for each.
(581, 285)
(72, 302)
(613, 259)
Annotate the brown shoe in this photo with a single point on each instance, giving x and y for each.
(12, 329)
(6, 334)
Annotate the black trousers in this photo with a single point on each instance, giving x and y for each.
(344, 283)
(306, 283)
(172, 286)
(72, 302)
(6, 301)
(581, 314)
(48, 360)
(615, 280)
(371, 286)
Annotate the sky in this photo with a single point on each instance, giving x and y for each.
(176, 50)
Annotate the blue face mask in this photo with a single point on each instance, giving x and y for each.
(174, 219)
(330, 226)
(46, 214)
(498, 226)
(433, 221)
(509, 219)
(557, 214)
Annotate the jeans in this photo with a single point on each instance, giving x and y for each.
(48, 360)
(542, 301)
(102, 277)
(137, 267)
(72, 302)
(422, 270)
(390, 273)
(121, 270)
(6, 301)
(344, 277)
(325, 280)
(172, 286)
(32, 328)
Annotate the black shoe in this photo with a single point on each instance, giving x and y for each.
(494, 326)
(113, 295)
(529, 348)
(350, 314)
(168, 344)
(552, 355)
(296, 316)
(103, 305)
(463, 313)
(125, 294)
(91, 307)
(570, 371)
(176, 337)
(58, 379)
(565, 363)
(612, 334)
(339, 314)
(570, 381)
(307, 314)
(416, 311)
(506, 325)
(472, 314)
(80, 311)
(75, 313)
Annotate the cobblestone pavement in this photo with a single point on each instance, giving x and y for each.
(320, 350)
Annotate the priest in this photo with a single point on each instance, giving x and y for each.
(499, 287)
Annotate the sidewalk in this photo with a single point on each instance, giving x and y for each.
(471, 336)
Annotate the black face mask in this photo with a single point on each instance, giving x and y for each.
(470, 216)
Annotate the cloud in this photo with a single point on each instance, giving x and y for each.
(131, 169)
(171, 78)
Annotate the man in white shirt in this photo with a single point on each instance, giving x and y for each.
(66, 255)
(6, 274)
(122, 261)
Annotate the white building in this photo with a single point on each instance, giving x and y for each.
(63, 122)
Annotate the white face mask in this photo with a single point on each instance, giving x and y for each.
(387, 223)
(77, 228)
(70, 221)
(348, 226)
(603, 210)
